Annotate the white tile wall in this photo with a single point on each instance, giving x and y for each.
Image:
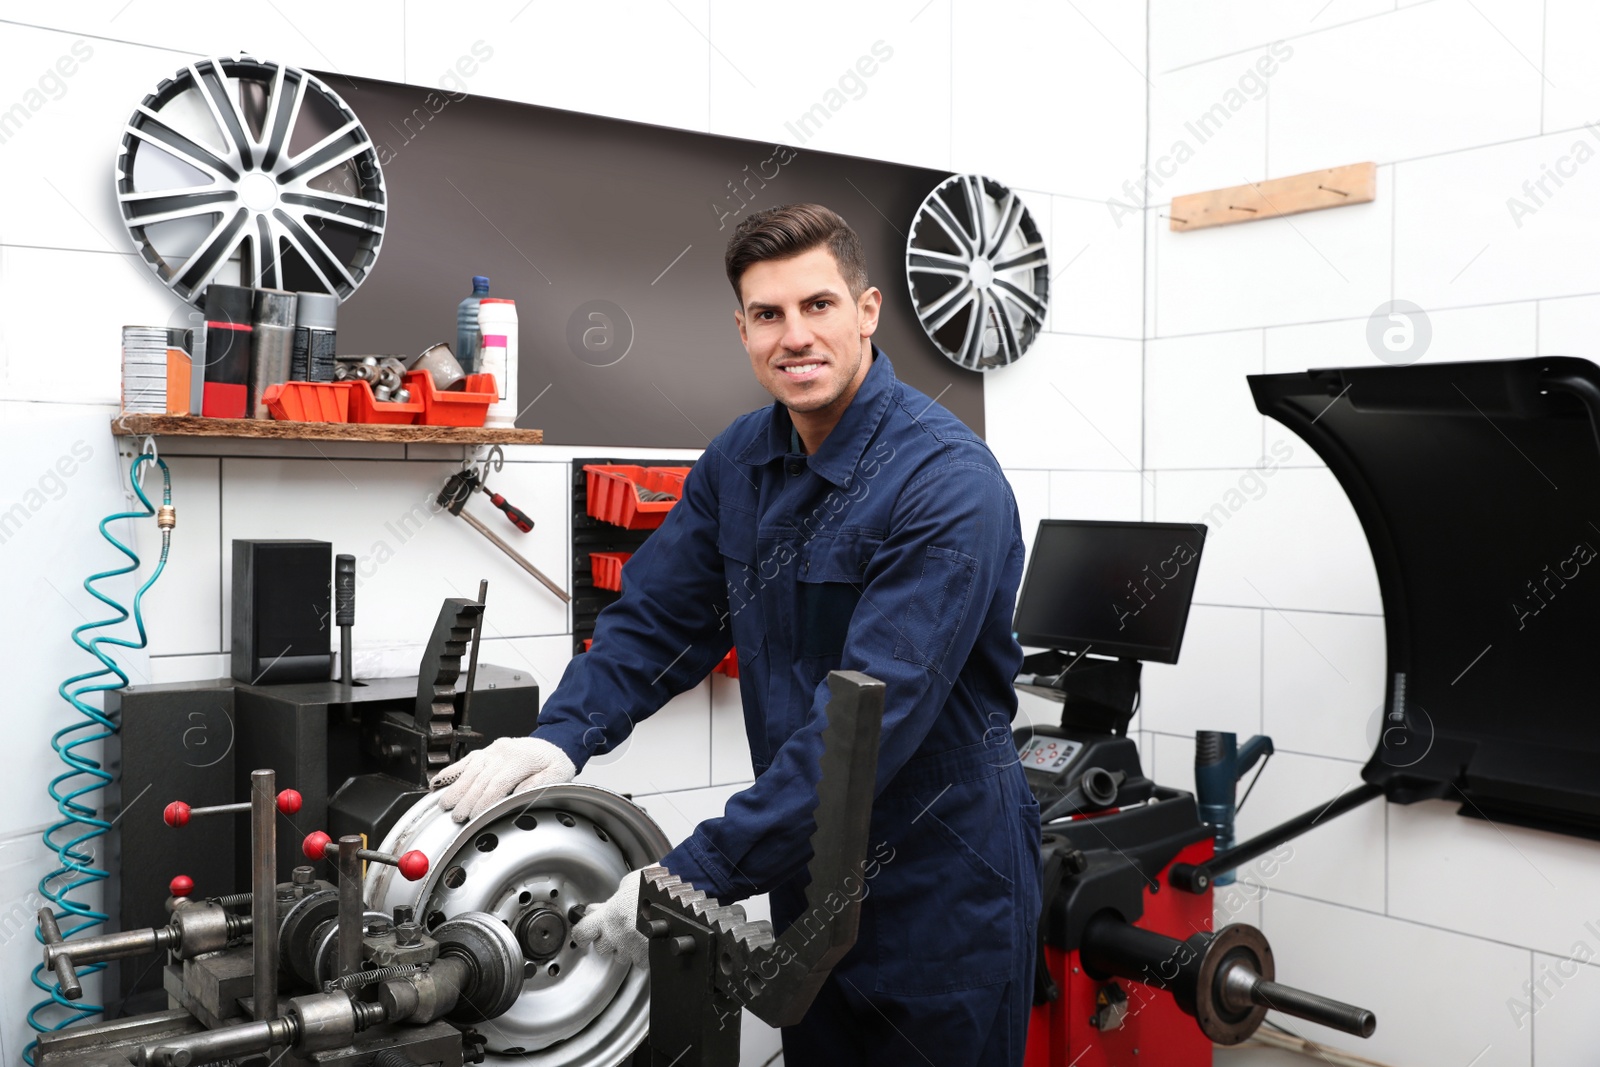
(1071, 404)
(1572, 85)
(1467, 231)
(1216, 683)
(308, 34)
(1322, 682)
(1570, 327)
(1197, 408)
(1565, 1020)
(1032, 490)
(1086, 58)
(881, 79)
(1544, 889)
(1097, 261)
(1283, 538)
(730, 750)
(1382, 90)
(1110, 495)
(40, 352)
(70, 205)
(1178, 38)
(1208, 124)
(1440, 998)
(645, 62)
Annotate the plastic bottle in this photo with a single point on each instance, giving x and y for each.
(467, 325)
(498, 319)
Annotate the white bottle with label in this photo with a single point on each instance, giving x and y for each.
(497, 355)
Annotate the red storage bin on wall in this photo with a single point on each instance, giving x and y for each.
(607, 569)
(614, 493)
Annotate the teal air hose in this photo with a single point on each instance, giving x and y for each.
(71, 838)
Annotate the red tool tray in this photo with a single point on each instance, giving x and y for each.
(309, 401)
(614, 493)
(607, 569)
(468, 406)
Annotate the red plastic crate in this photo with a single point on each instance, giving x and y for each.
(364, 407)
(309, 401)
(607, 568)
(614, 497)
(468, 406)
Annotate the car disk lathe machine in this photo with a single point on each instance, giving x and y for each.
(1124, 956)
(438, 963)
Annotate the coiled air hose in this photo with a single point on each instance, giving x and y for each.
(71, 838)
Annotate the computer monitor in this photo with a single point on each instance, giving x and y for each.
(1110, 588)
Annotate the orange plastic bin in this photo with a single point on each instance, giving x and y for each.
(309, 401)
(468, 406)
(614, 493)
(607, 568)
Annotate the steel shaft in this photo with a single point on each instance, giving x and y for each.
(351, 909)
(263, 884)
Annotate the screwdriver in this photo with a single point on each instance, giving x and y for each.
(453, 498)
(518, 518)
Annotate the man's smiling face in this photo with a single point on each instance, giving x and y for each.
(807, 337)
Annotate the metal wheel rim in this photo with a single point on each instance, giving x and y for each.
(271, 209)
(540, 1022)
(979, 272)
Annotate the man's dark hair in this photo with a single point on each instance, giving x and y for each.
(789, 230)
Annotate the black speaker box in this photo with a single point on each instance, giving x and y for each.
(282, 611)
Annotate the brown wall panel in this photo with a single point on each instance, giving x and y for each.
(560, 209)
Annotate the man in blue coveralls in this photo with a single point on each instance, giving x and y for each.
(853, 524)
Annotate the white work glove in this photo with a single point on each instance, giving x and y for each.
(614, 926)
(481, 779)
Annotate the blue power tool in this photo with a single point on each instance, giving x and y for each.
(1219, 762)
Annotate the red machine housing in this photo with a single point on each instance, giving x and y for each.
(1155, 1032)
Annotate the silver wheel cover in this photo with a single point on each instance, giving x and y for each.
(979, 272)
(252, 162)
(553, 847)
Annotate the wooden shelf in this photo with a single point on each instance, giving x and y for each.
(1317, 190)
(272, 430)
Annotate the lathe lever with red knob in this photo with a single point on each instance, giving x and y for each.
(178, 813)
(318, 845)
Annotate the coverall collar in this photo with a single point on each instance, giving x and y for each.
(840, 454)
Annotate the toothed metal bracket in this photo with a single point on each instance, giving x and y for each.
(708, 961)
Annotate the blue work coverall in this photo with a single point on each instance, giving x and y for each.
(893, 550)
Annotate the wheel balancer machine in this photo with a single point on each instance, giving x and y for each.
(1123, 958)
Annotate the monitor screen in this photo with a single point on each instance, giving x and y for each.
(1110, 588)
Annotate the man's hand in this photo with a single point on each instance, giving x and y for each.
(614, 926)
(481, 779)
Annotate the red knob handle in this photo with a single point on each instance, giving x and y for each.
(413, 865)
(181, 885)
(176, 814)
(288, 801)
(315, 846)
